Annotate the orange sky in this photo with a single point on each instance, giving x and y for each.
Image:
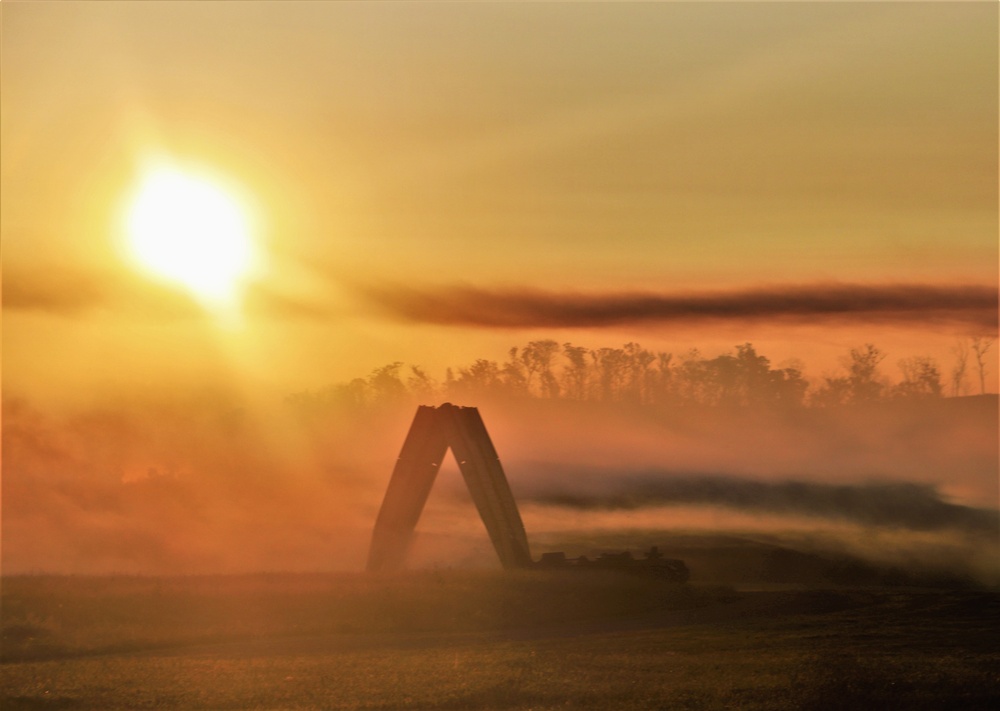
(592, 149)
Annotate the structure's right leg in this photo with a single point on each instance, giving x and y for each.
(483, 474)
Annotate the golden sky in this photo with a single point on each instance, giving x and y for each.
(391, 152)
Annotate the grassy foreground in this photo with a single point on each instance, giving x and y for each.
(489, 641)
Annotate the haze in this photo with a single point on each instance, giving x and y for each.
(432, 184)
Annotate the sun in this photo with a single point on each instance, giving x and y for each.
(186, 228)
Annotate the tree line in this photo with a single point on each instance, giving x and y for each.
(635, 375)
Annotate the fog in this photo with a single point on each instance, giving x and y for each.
(903, 504)
(212, 483)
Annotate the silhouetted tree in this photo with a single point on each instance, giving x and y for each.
(921, 378)
(755, 379)
(961, 353)
(537, 357)
(637, 363)
(662, 388)
(863, 375)
(691, 378)
(834, 391)
(633, 374)
(575, 375)
(385, 385)
(980, 346)
(745, 379)
(518, 371)
(512, 375)
(483, 376)
(352, 395)
(421, 385)
(721, 381)
(787, 387)
(609, 364)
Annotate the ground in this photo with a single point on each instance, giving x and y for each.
(488, 640)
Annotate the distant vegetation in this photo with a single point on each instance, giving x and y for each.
(635, 375)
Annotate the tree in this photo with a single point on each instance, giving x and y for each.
(721, 381)
(961, 352)
(609, 364)
(980, 345)
(537, 358)
(834, 391)
(861, 384)
(637, 363)
(863, 375)
(921, 378)
(755, 376)
(512, 374)
(385, 385)
(662, 387)
(421, 385)
(690, 378)
(575, 375)
(745, 379)
(483, 376)
(632, 374)
(787, 386)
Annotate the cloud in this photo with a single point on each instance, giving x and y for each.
(78, 292)
(907, 505)
(69, 292)
(970, 305)
(52, 292)
(75, 292)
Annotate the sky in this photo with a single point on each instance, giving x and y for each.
(393, 148)
(437, 182)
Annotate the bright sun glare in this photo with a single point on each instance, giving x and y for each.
(185, 228)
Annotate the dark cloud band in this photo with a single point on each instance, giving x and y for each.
(973, 305)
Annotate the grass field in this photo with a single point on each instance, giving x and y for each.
(488, 640)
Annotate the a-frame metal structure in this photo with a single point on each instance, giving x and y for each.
(433, 431)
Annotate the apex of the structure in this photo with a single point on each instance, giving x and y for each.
(448, 407)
